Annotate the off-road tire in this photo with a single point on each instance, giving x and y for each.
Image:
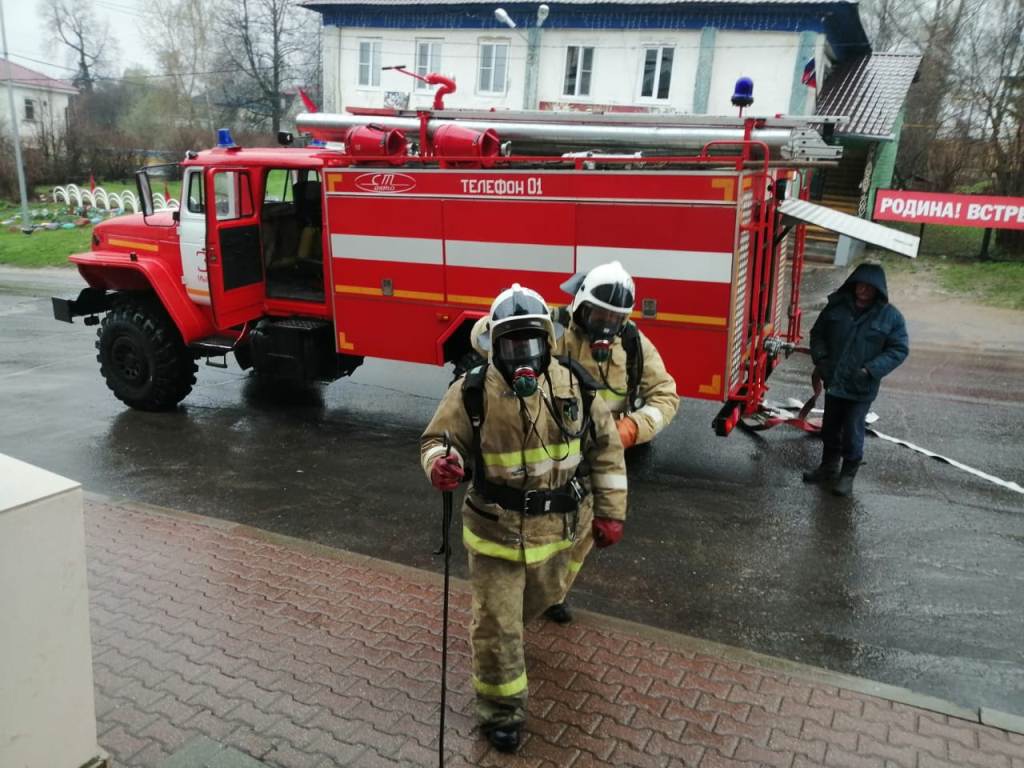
(142, 356)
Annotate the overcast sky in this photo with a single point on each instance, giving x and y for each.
(27, 36)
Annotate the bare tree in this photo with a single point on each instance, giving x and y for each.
(995, 85)
(180, 35)
(263, 41)
(88, 39)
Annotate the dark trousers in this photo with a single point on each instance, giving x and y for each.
(842, 429)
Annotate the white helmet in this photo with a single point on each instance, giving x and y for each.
(515, 309)
(519, 337)
(602, 300)
(608, 286)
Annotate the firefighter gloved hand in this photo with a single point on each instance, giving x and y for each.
(606, 532)
(446, 472)
(627, 431)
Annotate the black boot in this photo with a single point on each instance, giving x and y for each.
(844, 485)
(826, 472)
(559, 613)
(505, 738)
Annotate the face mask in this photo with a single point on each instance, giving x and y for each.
(602, 325)
(522, 360)
(601, 349)
(524, 381)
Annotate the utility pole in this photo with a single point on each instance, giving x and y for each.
(532, 38)
(26, 217)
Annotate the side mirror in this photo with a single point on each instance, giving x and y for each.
(145, 193)
(175, 215)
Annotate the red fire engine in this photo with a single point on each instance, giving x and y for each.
(390, 237)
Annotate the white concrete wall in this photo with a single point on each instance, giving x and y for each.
(768, 57)
(459, 59)
(47, 711)
(50, 111)
(618, 66)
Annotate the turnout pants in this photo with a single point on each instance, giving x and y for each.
(506, 596)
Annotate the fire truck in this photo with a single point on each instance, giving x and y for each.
(389, 234)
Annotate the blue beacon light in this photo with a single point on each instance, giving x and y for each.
(224, 139)
(743, 93)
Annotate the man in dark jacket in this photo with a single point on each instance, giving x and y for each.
(857, 339)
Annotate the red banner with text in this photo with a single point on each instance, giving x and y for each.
(953, 210)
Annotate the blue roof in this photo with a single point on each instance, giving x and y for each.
(838, 20)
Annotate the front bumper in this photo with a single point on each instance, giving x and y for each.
(90, 301)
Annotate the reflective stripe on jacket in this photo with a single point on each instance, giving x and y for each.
(523, 447)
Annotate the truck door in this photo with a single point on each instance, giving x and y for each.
(234, 260)
(192, 236)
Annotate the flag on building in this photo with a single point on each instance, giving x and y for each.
(810, 78)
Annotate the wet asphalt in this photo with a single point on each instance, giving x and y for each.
(917, 582)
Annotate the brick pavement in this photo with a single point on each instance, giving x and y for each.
(295, 655)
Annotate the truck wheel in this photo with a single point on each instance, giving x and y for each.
(142, 356)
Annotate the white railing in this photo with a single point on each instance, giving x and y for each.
(111, 202)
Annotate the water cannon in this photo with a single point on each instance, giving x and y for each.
(431, 78)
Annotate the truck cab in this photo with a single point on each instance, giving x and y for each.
(238, 267)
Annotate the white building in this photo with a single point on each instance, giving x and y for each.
(40, 102)
(631, 55)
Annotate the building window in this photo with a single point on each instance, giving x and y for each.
(657, 75)
(493, 66)
(579, 63)
(369, 63)
(30, 110)
(428, 59)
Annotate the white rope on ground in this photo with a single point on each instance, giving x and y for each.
(873, 417)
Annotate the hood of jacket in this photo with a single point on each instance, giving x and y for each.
(872, 274)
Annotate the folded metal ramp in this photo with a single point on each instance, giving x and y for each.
(851, 226)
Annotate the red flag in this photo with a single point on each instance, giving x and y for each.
(92, 183)
(308, 102)
(167, 191)
(810, 75)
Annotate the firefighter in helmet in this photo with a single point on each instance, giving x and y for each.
(635, 385)
(548, 471)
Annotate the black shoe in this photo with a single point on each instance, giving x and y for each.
(559, 613)
(844, 485)
(826, 472)
(506, 738)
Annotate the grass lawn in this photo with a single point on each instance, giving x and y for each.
(43, 249)
(996, 283)
(51, 248)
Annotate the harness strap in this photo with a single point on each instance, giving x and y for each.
(634, 365)
(563, 500)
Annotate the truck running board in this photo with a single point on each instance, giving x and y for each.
(213, 346)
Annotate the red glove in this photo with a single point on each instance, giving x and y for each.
(446, 472)
(627, 431)
(606, 532)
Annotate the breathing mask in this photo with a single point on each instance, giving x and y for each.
(601, 326)
(522, 357)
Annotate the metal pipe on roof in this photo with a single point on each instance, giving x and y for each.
(549, 137)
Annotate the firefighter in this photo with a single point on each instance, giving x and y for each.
(547, 472)
(635, 385)
(858, 338)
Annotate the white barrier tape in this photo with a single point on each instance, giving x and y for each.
(872, 417)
